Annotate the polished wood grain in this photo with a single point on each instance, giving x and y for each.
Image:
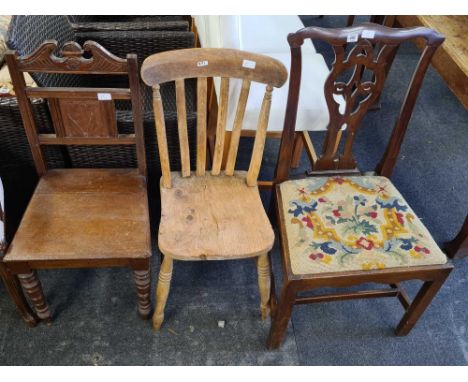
(359, 96)
(213, 215)
(81, 217)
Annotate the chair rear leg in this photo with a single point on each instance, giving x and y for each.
(419, 305)
(282, 317)
(33, 288)
(162, 291)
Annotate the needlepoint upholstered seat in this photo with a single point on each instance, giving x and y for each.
(340, 227)
(352, 223)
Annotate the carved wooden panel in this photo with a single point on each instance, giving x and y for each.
(101, 61)
(83, 118)
(373, 50)
(357, 92)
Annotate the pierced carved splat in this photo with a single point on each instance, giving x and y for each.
(358, 94)
(101, 61)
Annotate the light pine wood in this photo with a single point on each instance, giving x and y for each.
(309, 146)
(161, 136)
(211, 62)
(260, 137)
(162, 291)
(451, 60)
(221, 126)
(237, 128)
(182, 127)
(264, 284)
(213, 218)
(201, 125)
(215, 215)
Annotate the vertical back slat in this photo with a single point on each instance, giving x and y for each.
(237, 127)
(137, 108)
(182, 127)
(260, 136)
(221, 126)
(201, 125)
(161, 136)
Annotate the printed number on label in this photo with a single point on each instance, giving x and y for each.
(104, 96)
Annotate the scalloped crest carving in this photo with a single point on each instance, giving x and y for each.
(100, 61)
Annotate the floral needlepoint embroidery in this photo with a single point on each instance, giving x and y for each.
(353, 223)
(364, 243)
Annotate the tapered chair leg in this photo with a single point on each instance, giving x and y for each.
(14, 290)
(162, 291)
(142, 281)
(281, 318)
(33, 288)
(418, 306)
(264, 284)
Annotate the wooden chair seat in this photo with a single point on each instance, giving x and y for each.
(80, 214)
(337, 224)
(213, 217)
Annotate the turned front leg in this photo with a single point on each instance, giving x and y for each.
(264, 284)
(142, 280)
(162, 291)
(33, 288)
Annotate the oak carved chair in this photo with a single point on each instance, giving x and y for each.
(339, 227)
(10, 281)
(212, 214)
(81, 217)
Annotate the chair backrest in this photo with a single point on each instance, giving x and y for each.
(81, 116)
(204, 63)
(374, 49)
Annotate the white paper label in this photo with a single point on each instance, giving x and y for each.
(367, 34)
(352, 37)
(202, 63)
(104, 96)
(249, 64)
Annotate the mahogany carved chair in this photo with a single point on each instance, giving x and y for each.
(81, 217)
(340, 228)
(9, 280)
(212, 214)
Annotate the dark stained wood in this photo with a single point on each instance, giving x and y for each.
(33, 289)
(72, 61)
(458, 247)
(359, 96)
(91, 93)
(82, 217)
(13, 288)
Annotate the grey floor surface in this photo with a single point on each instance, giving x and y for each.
(95, 313)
